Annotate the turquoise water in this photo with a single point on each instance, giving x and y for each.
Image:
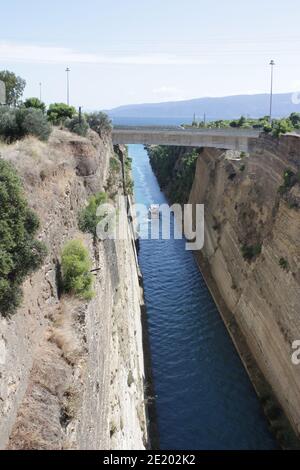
(204, 397)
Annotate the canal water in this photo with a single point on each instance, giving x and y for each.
(204, 398)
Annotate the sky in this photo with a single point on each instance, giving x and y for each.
(133, 51)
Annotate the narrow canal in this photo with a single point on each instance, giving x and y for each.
(203, 395)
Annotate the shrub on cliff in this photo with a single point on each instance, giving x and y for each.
(16, 123)
(78, 125)
(289, 180)
(35, 103)
(20, 253)
(88, 219)
(282, 127)
(76, 267)
(59, 112)
(99, 122)
(250, 252)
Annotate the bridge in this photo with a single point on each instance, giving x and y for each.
(241, 140)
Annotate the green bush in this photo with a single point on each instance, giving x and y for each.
(59, 112)
(76, 266)
(35, 103)
(78, 125)
(88, 220)
(289, 180)
(99, 122)
(16, 123)
(283, 263)
(295, 120)
(250, 252)
(20, 253)
(282, 127)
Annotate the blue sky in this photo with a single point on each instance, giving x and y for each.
(130, 51)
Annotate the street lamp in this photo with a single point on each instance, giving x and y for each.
(40, 85)
(272, 63)
(68, 85)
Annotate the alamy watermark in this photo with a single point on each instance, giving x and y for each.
(296, 353)
(155, 222)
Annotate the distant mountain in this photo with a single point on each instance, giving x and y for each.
(229, 107)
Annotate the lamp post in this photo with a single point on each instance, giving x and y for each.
(40, 85)
(272, 63)
(68, 85)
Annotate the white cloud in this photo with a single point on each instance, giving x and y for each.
(12, 52)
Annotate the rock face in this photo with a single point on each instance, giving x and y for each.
(72, 373)
(252, 252)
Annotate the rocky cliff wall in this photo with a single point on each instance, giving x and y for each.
(251, 256)
(72, 373)
(250, 259)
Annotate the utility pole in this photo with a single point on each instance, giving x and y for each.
(272, 63)
(204, 119)
(68, 85)
(40, 85)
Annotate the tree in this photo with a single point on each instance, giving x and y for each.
(35, 103)
(14, 87)
(242, 121)
(20, 253)
(99, 122)
(282, 127)
(59, 112)
(295, 119)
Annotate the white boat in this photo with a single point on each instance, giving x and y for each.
(154, 211)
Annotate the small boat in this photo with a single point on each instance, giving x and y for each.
(154, 211)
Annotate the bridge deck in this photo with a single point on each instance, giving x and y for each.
(231, 139)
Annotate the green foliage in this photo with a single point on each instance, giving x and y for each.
(267, 128)
(14, 87)
(99, 122)
(295, 120)
(283, 263)
(289, 180)
(129, 185)
(88, 219)
(59, 112)
(282, 127)
(35, 103)
(16, 123)
(114, 164)
(20, 253)
(278, 126)
(250, 252)
(78, 125)
(76, 267)
(174, 174)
